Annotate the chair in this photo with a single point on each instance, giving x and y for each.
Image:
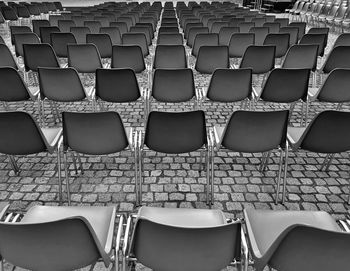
(276, 235)
(168, 29)
(252, 132)
(104, 20)
(216, 26)
(39, 23)
(211, 39)
(60, 42)
(61, 85)
(65, 25)
(24, 38)
(45, 33)
(113, 33)
(301, 28)
(21, 135)
(280, 41)
(79, 20)
(80, 33)
(95, 134)
(193, 32)
(293, 34)
(102, 42)
(18, 30)
(226, 33)
(170, 39)
(53, 19)
(94, 26)
(128, 57)
(185, 234)
(170, 57)
(327, 133)
(260, 34)
(175, 133)
(282, 21)
(342, 40)
(211, 58)
(319, 39)
(9, 15)
(273, 27)
(239, 43)
(244, 27)
(136, 39)
(85, 232)
(123, 28)
(144, 30)
(229, 86)
(77, 57)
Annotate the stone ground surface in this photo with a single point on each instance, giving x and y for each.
(175, 180)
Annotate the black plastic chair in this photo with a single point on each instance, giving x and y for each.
(327, 133)
(46, 31)
(21, 135)
(280, 41)
(77, 57)
(144, 30)
(211, 58)
(244, 27)
(94, 26)
(185, 234)
(14, 29)
(318, 39)
(301, 26)
(123, 28)
(24, 38)
(170, 57)
(60, 41)
(193, 32)
(226, 33)
(136, 39)
(175, 133)
(170, 39)
(274, 236)
(113, 33)
(260, 34)
(266, 56)
(239, 43)
(39, 23)
(128, 57)
(252, 132)
(273, 27)
(204, 40)
(293, 34)
(65, 25)
(96, 134)
(6, 58)
(80, 33)
(102, 42)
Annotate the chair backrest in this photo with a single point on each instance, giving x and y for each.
(286, 85)
(117, 85)
(24, 38)
(318, 39)
(301, 26)
(128, 57)
(94, 26)
(280, 41)
(226, 33)
(136, 39)
(12, 87)
(14, 29)
(239, 43)
(216, 26)
(342, 40)
(301, 57)
(181, 132)
(193, 32)
(113, 33)
(282, 21)
(19, 135)
(293, 32)
(273, 27)
(80, 33)
(259, 22)
(173, 85)
(211, 58)
(189, 26)
(53, 19)
(43, 250)
(77, 57)
(60, 41)
(244, 27)
(170, 57)
(335, 88)
(123, 28)
(127, 20)
(339, 57)
(329, 132)
(39, 23)
(168, 29)
(230, 85)
(260, 34)
(211, 39)
(45, 32)
(254, 131)
(266, 56)
(102, 42)
(179, 248)
(61, 85)
(9, 13)
(170, 39)
(305, 242)
(144, 30)
(65, 25)
(79, 20)
(94, 133)
(104, 20)
(39, 55)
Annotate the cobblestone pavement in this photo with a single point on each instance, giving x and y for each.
(175, 180)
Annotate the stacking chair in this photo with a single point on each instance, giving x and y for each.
(273, 27)
(216, 26)
(280, 41)
(229, 86)
(285, 86)
(94, 26)
(136, 39)
(113, 33)
(46, 31)
(211, 58)
(53, 19)
(239, 43)
(21, 135)
(85, 232)
(170, 57)
(342, 40)
(185, 234)
(79, 20)
(274, 236)
(60, 41)
(80, 33)
(318, 39)
(252, 132)
(77, 58)
(175, 133)
(226, 33)
(103, 44)
(260, 34)
(24, 38)
(170, 39)
(123, 28)
(14, 29)
(128, 57)
(327, 133)
(60, 86)
(99, 133)
(211, 39)
(144, 30)
(38, 55)
(37, 24)
(9, 15)
(301, 28)
(65, 25)
(244, 27)
(282, 21)
(193, 32)
(6, 58)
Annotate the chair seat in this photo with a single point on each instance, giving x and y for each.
(52, 136)
(101, 219)
(181, 217)
(265, 226)
(294, 135)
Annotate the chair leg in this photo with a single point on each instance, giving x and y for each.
(307, 112)
(80, 164)
(53, 111)
(201, 166)
(285, 172)
(74, 163)
(136, 174)
(67, 176)
(208, 174)
(13, 164)
(329, 161)
(59, 174)
(279, 177)
(6, 106)
(211, 154)
(291, 109)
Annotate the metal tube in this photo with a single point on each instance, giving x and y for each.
(279, 177)
(67, 177)
(285, 172)
(59, 174)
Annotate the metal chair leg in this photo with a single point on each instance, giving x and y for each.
(67, 176)
(59, 174)
(74, 163)
(140, 175)
(285, 172)
(13, 164)
(212, 173)
(208, 174)
(80, 164)
(329, 161)
(279, 177)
